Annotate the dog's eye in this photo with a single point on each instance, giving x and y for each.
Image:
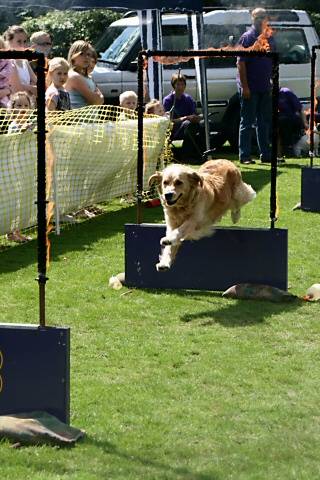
(165, 182)
(177, 183)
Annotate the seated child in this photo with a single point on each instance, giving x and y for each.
(129, 101)
(57, 98)
(20, 103)
(154, 107)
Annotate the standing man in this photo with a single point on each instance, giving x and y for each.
(254, 83)
(40, 42)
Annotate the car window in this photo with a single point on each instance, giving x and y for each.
(121, 45)
(175, 37)
(291, 43)
(219, 36)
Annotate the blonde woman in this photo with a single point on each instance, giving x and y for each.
(82, 89)
(57, 98)
(22, 78)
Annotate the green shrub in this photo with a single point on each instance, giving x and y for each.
(69, 26)
(315, 17)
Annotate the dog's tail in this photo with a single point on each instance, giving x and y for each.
(243, 194)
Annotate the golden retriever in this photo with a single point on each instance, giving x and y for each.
(193, 201)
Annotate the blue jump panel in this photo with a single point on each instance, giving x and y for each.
(230, 256)
(34, 370)
(310, 189)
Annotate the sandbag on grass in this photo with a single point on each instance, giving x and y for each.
(259, 292)
(38, 428)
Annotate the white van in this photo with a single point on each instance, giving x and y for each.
(294, 35)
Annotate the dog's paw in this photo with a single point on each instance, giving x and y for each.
(165, 241)
(162, 267)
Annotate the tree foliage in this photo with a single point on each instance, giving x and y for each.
(68, 26)
(309, 5)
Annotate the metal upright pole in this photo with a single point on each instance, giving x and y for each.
(41, 194)
(203, 81)
(312, 103)
(274, 151)
(141, 59)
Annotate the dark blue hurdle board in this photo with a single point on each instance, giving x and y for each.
(230, 256)
(34, 370)
(310, 189)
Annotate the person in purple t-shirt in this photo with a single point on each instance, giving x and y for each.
(292, 120)
(254, 82)
(182, 110)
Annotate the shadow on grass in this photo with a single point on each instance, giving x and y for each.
(241, 313)
(257, 178)
(297, 166)
(179, 472)
(236, 312)
(76, 237)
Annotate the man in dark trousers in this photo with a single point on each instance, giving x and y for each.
(292, 121)
(254, 83)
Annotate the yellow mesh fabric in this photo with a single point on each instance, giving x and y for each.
(91, 158)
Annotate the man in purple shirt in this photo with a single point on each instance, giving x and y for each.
(182, 110)
(254, 83)
(292, 120)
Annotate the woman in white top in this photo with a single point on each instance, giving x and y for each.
(82, 89)
(22, 77)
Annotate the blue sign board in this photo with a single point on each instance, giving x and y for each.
(34, 370)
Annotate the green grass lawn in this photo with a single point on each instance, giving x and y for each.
(177, 384)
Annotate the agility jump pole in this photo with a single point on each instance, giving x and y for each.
(312, 101)
(145, 54)
(41, 170)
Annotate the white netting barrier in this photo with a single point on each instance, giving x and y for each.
(91, 158)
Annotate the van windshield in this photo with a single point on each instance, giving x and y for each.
(119, 41)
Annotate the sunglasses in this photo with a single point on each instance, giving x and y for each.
(44, 44)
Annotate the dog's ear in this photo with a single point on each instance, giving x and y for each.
(196, 179)
(155, 178)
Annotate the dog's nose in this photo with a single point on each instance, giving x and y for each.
(168, 196)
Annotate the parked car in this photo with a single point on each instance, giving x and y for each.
(294, 35)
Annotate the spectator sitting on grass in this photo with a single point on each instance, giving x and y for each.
(292, 121)
(154, 107)
(182, 110)
(20, 103)
(129, 101)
